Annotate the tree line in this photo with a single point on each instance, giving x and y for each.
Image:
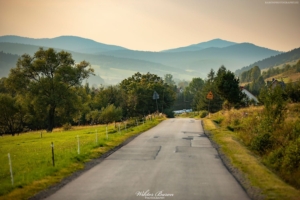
(275, 71)
(45, 91)
(223, 84)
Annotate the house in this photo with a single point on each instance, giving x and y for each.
(272, 84)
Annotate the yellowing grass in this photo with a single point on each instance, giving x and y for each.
(241, 158)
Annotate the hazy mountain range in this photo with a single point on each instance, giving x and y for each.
(113, 63)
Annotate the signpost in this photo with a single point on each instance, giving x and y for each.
(210, 97)
(155, 97)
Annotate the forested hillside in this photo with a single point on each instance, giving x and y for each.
(273, 60)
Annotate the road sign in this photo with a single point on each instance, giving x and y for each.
(210, 96)
(155, 95)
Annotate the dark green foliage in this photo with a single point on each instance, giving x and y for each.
(108, 95)
(169, 112)
(12, 114)
(228, 87)
(49, 79)
(257, 85)
(292, 91)
(139, 90)
(192, 90)
(254, 77)
(202, 102)
(262, 143)
(250, 75)
(203, 114)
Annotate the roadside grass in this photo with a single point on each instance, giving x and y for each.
(31, 156)
(272, 186)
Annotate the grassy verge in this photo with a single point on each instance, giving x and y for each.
(194, 114)
(31, 155)
(241, 158)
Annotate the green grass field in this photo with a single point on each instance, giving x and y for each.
(31, 155)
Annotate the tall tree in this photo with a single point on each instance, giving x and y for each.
(49, 78)
(228, 87)
(12, 114)
(191, 91)
(255, 73)
(169, 79)
(139, 90)
(201, 101)
(110, 114)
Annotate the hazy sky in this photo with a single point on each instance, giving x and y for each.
(156, 24)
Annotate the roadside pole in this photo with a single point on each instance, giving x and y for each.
(78, 145)
(10, 169)
(210, 97)
(155, 97)
(52, 149)
(106, 133)
(96, 136)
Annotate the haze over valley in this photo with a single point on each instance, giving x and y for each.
(113, 63)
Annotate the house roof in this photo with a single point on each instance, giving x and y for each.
(275, 82)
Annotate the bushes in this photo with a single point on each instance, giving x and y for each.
(203, 114)
(67, 126)
(271, 132)
(169, 113)
(262, 143)
(286, 162)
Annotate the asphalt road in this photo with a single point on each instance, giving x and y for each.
(173, 160)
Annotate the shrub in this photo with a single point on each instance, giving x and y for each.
(169, 113)
(230, 128)
(274, 159)
(67, 126)
(291, 160)
(262, 143)
(203, 114)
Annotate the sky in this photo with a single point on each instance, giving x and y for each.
(155, 25)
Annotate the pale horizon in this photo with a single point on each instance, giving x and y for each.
(156, 25)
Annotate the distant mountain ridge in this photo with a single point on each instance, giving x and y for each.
(114, 63)
(233, 57)
(111, 69)
(72, 43)
(219, 43)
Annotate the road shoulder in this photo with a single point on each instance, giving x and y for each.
(256, 179)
